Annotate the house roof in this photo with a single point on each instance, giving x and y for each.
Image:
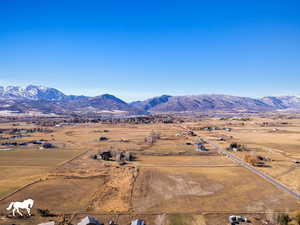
(48, 223)
(89, 221)
(137, 222)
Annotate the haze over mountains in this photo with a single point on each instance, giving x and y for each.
(50, 100)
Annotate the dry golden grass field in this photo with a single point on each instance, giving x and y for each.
(279, 141)
(169, 183)
(20, 167)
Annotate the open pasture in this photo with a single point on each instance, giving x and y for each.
(177, 190)
(278, 140)
(20, 167)
(169, 183)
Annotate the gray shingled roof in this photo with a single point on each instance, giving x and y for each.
(89, 221)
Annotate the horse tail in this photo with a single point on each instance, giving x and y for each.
(31, 203)
(10, 206)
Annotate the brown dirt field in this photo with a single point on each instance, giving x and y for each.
(200, 189)
(183, 161)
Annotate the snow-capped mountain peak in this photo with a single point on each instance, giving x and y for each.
(31, 92)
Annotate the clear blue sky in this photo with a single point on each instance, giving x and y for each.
(139, 49)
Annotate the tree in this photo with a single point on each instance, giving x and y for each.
(283, 219)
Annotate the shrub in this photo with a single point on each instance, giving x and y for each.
(283, 219)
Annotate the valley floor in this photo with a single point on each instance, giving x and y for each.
(168, 183)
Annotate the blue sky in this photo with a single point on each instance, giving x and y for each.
(140, 49)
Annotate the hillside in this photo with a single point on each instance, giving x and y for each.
(46, 100)
(195, 103)
(49, 100)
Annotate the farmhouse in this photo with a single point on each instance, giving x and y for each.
(48, 223)
(201, 148)
(89, 221)
(48, 146)
(227, 129)
(233, 220)
(236, 147)
(106, 155)
(138, 222)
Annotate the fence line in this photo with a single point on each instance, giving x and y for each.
(22, 188)
(41, 179)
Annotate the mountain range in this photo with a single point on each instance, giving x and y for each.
(50, 100)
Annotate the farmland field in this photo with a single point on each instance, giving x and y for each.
(168, 183)
(18, 167)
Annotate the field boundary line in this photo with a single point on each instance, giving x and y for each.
(72, 159)
(170, 213)
(41, 179)
(135, 177)
(22, 188)
(191, 166)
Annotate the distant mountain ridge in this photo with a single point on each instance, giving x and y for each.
(50, 100)
(196, 103)
(31, 92)
(151, 103)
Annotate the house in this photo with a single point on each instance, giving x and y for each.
(89, 221)
(191, 133)
(48, 223)
(48, 146)
(201, 148)
(228, 129)
(128, 156)
(233, 220)
(138, 222)
(106, 155)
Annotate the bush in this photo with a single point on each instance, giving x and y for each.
(103, 139)
(45, 213)
(283, 219)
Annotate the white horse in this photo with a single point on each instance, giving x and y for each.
(27, 204)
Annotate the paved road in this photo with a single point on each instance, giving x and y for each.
(256, 171)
